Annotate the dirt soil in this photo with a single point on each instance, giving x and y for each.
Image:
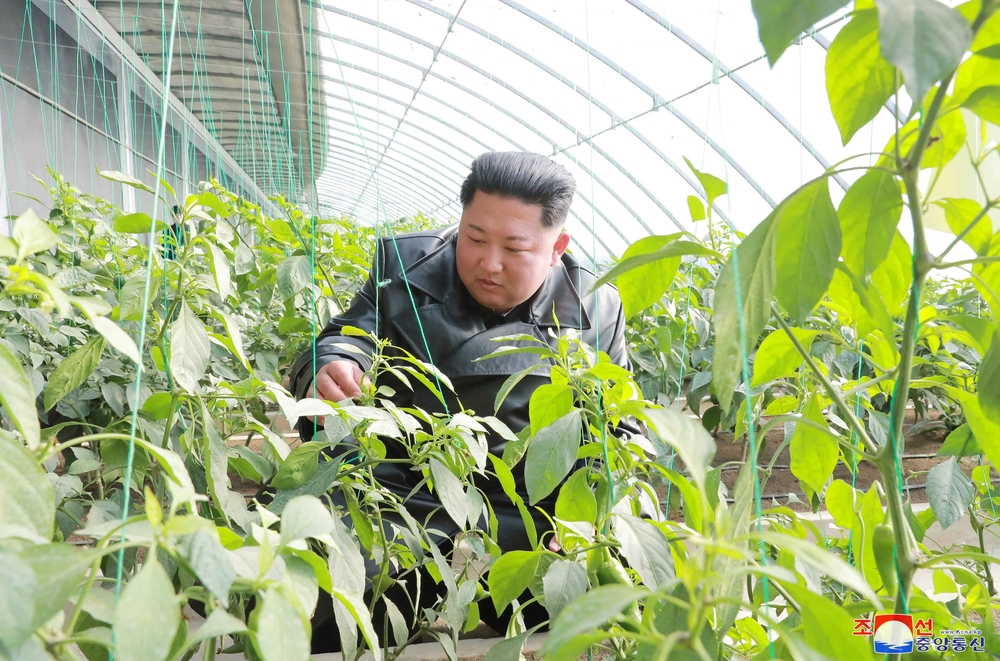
(918, 458)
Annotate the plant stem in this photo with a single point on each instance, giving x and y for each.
(990, 259)
(861, 387)
(831, 389)
(85, 439)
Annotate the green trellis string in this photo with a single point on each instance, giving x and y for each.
(854, 452)
(127, 479)
(680, 379)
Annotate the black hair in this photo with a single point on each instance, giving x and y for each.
(528, 178)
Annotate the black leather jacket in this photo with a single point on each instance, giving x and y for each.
(418, 272)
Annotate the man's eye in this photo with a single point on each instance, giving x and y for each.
(514, 250)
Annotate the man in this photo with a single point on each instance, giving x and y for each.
(445, 294)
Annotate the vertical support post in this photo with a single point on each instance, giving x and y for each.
(127, 155)
(6, 225)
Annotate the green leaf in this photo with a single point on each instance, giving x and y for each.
(131, 299)
(824, 623)
(18, 397)
(219, 264)
(304, 516)
(779, 22)
(301, 464)
(869, 214)
(116, 337)
(814, 453)
(511, 575)
(59, 570)
(211, 201)
(893, 278)
(355, 606)
(123, 178)
(282, 629)
(245, 260)
(756, 256)
(588, 613)
(16, 601)
(189, 349)
(147, 615)
(8, 248)
(32, 235)
(642, 285)
(696, 208)
(450, 492)
(215, 456)
(576, 500)
(157, 405)
(985, 102)
(959, 213)
(946, 140)
(841, 501)
(208, 559)
(551, 455)
(73, 371)
(823, 560)
(293, 275)
(507, 650)
(694, 445)
(988, 384)
(807, 248)
(548, 403)
(961, 442)
(777, 357)
(136, 223)
(671, 249)
(219, 623)
(564, 581)
(858, 79)
(714, 187)
(924, 39)
(646, 550)
(986, 431)
(949, 492)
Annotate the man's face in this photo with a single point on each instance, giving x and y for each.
(504, 252)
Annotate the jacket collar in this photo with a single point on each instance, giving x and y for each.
(437, 276)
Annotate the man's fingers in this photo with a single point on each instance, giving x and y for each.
(328, 388)
(348, 376)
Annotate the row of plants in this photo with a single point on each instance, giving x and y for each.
(823, 320)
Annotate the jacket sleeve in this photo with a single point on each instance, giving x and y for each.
(361, 314)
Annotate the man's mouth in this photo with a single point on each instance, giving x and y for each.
(489, 284)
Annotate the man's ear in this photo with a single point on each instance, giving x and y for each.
(562, 243)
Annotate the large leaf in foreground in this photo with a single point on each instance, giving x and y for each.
(806, 249)
(18, 397)
(924, 39)
(551, 455)
(757, 280)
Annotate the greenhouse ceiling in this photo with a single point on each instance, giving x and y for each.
(405, 93)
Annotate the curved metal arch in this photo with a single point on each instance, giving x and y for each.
(340, 197)
(398, 176)
(691, 43)
(410, 136)
(534, 130)
(489, 102)
(404, 170)
(511, 141)
(593, 100)
(345, 181)
(406, 151)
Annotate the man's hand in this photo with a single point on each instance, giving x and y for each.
(336, 382)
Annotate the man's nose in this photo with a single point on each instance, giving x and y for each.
(492, 262)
